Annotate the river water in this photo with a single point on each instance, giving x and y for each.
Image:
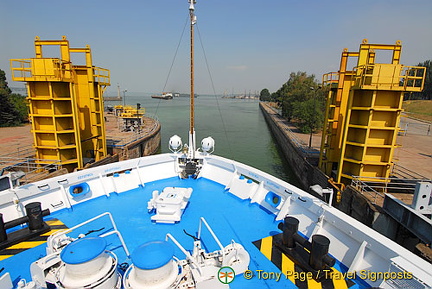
(237, 126)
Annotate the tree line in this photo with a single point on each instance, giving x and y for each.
(13, 106)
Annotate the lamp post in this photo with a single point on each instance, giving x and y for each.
(124, 98)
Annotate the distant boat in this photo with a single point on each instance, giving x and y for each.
(178, 94)
(165, 95)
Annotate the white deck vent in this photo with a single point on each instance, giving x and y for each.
(169, 205)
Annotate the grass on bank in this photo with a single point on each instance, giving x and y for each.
(420, 109)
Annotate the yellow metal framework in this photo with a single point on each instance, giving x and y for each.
(129, 111)
(363, 113)
(338, 85)
(66, 104)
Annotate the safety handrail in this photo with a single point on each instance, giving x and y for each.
(122, 142)
(101, 75)
(203, 221)
(58, 234)
(22, 69)
(20, 66)
(330, 78)
(409, 78)
(187, 254)
(31, 167)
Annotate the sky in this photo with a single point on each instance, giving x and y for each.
(241, 45)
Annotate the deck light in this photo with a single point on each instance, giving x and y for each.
(175, 144)
(207, 144)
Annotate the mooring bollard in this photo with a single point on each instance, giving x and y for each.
(34, 214)
(290, 228)
(319, 250)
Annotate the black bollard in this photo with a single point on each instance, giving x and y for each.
(289, 229)
(319, 250)
(34, 214)
(3, 235)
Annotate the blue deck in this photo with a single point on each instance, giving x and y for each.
(229, 217)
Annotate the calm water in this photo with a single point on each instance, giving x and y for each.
(238, 127)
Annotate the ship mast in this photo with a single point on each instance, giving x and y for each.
(192, 143)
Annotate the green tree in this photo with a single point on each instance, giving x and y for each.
(13, 109)
(299, 88)
(310, 116)
(303, 100)
(265, 95)
(21, 105)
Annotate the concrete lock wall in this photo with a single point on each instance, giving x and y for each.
(305, 170)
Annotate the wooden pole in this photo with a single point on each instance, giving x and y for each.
(192, 94)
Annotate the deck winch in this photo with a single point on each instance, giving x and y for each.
(86, 264)
(189, 167)
(153, 266)
(201, 268)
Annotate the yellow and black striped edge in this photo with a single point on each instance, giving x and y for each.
(55, 225)
(292, 271)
